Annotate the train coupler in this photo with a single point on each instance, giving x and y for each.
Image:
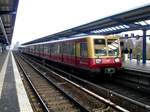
(109, 70)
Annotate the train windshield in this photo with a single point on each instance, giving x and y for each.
(113, 47)
(100, 47)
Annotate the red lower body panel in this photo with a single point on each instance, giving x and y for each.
(85, 63)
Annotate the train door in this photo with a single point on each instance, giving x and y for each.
(72, 53)
(49, 51)
(82, 53)
(77, 53)
(61, 52)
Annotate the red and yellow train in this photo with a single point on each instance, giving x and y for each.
(93, 52)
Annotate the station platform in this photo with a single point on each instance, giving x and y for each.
(13, 97)
(137, 66)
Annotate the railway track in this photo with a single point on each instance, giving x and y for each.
(36, 105)
(50, 98)
(60, 94)
(129, 98)
(138, 80)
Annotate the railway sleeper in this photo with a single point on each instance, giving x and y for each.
(55, 98)
(61, 108)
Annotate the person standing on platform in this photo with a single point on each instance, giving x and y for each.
(126, 54)
(122, 54)
(130, 52)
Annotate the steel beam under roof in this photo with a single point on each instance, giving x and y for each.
(122, 22)
(8, 10)
(3, 30)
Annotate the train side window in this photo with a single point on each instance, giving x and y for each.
(60, 48)
(52, 49)
(100, 47)
(65, 48)
(68, 48)
(71, 49)
(55, 48)
(39, 48)
(83, 49)
(45, 49)
(34, 49)
(42, 48)
(49, 49)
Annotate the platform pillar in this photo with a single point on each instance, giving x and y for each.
(144, 47)
(1, 46)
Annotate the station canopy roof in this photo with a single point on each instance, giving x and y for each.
(136, 19)
(8, 10)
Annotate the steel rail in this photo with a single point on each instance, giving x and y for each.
(32, 85)
(107, 101)
(106, 91)
(51, 82)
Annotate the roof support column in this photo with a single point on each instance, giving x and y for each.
(3, 30)
(144, 47)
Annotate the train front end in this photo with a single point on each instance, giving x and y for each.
(105, 54)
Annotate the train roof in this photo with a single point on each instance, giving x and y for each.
(69, 39)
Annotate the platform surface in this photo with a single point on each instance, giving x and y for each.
(137, 66)
(13, 97)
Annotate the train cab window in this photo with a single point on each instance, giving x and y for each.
(99, 41)
(100, 47)
(83, 50)
(113, 47)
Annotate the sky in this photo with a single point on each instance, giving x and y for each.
(39, 18)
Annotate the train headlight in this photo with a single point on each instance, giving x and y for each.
(98, 61)
(117, 60)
